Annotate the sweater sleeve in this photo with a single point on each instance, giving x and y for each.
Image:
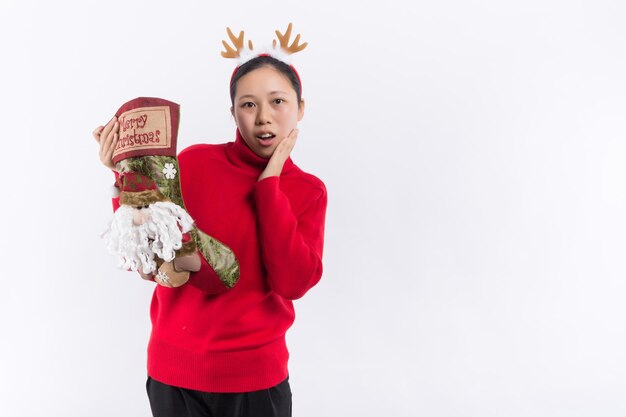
(291, 245)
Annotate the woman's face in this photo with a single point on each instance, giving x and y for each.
(265, 109)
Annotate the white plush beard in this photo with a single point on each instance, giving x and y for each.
(161, 234)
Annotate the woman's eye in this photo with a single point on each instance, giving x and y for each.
(146, 206)
(248, 104)
(279, 100)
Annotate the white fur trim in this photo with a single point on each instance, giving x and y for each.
(247, 54)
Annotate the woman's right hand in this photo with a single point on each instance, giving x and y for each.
(107, 137)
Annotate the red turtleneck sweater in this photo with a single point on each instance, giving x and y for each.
(210, 338)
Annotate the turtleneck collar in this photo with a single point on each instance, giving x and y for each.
(241, 155)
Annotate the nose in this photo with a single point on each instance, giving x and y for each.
(139, 217)
(263, 115)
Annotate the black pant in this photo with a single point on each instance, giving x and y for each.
(169, 401)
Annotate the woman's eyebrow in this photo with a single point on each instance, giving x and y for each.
(271, 93)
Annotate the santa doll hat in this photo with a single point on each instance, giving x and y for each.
(138, 190)
(280, 52)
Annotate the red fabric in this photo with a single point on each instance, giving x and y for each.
(116, 200)
(138, 151)
(135, 183)
(210, 338)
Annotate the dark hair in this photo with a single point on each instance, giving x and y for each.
(263, 61)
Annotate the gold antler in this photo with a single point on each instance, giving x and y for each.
(237, 43)
(284, 41)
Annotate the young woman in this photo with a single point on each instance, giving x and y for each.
(215, 351)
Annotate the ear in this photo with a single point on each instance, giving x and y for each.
(301, 110)
(232, 111)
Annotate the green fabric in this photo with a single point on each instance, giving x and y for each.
(152, 167)
(221, 258)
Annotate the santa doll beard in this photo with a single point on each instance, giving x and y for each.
(160, 235)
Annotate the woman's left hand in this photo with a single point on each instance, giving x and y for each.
(280, 155)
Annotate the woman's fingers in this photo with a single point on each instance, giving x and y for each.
(286, 146)
(108, 128)
(107, 137)
(109, 140)
(111, 149)
(96, 133)
(107, 145)
(281, 153)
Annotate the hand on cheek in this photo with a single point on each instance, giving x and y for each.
(280, 155)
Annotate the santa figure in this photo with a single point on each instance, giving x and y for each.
(148, 231)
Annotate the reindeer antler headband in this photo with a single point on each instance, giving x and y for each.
(282, 52)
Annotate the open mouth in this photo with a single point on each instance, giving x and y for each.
(266, 138)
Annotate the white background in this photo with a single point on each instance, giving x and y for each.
(474, 154)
